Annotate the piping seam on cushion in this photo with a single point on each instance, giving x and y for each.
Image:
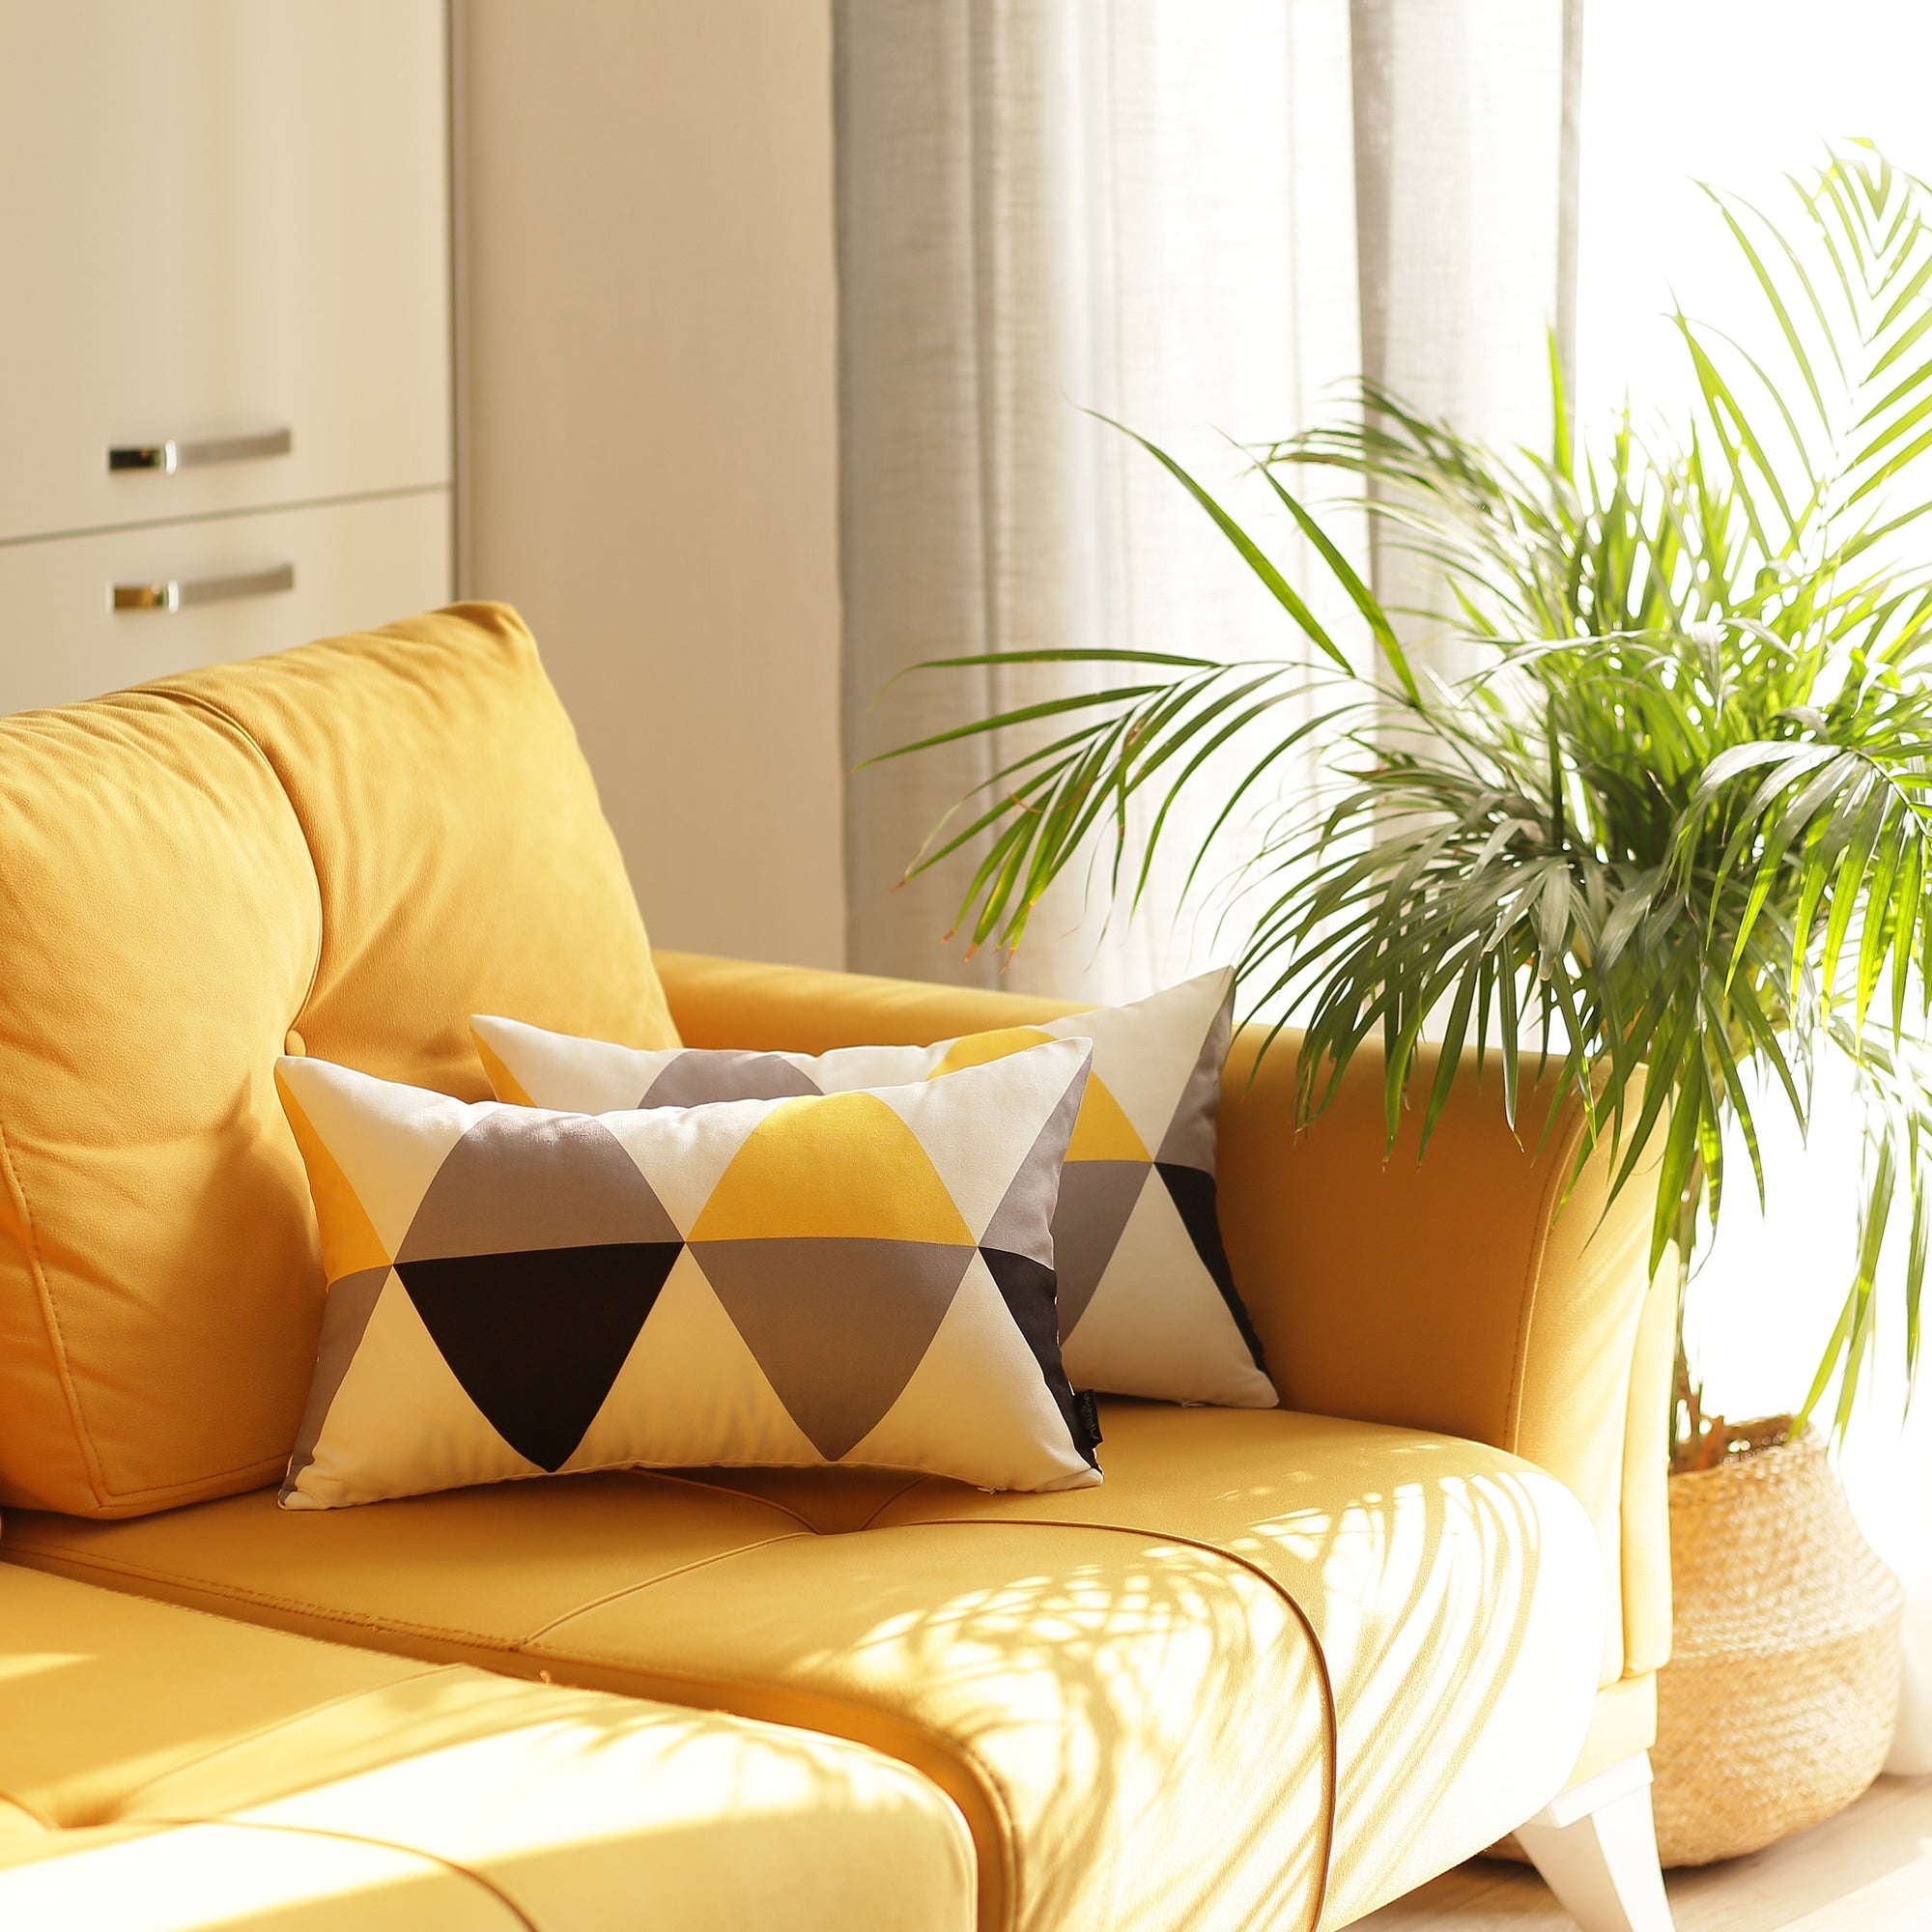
(683, 1481)
(18, 1547)
(127, 1504)
(420, 1852)
(872, 1519)
(267, 1728)
(1532, 1283)
(1546, 1213)
(658, 1680)
(23, 1552)
(1623, 1595)
(638, 1589)
(51, 1319)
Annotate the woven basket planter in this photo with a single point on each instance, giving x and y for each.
(1777, 1705)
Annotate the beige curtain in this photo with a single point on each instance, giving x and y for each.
(1196, 219)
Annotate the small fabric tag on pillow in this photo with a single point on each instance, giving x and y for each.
(1088, 1404)
(861, 1278)
(1148, 1304)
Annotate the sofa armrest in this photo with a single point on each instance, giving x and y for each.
(1448, 1294)
(1451, 1293)
(803, 1010)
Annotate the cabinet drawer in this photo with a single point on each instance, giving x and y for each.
(355, 565)
(221, 218)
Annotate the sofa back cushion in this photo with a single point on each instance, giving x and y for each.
(349, 847)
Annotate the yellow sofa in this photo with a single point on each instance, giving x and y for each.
(1280, 1667)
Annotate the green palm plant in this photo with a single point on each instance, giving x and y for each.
(1669, 834)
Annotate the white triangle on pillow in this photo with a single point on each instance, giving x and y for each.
(729, 1415)
(390, 1140)
(408, 1423)
(951, 1408)
(1145, 1053)
(683, 1159)
(1158, 1325)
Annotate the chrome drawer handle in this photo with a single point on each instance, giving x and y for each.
(170, 456)
(175, 595)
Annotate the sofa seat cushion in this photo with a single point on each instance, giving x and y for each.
(183, 1770)
(1276, 1669)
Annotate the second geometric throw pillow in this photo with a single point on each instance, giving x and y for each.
(1146, 1302)
(863, 1278)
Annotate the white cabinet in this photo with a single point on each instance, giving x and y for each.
(221, 220)
(353, 566)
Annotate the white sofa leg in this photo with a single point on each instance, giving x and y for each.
(1596, 1848)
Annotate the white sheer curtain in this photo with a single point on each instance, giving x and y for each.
(1149, 209)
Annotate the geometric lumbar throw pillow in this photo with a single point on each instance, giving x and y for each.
(1146, 1302)
(860, 1278)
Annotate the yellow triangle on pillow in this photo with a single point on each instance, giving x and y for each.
(350, 1242)
(503, 1082)
(1102, 1131)
(975, 1049)
(833, 1165)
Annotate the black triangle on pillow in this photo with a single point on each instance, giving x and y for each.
(536, 1337)
(1026, 1286)
(1192, 1191)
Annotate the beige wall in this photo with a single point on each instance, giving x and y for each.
(646, 240)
